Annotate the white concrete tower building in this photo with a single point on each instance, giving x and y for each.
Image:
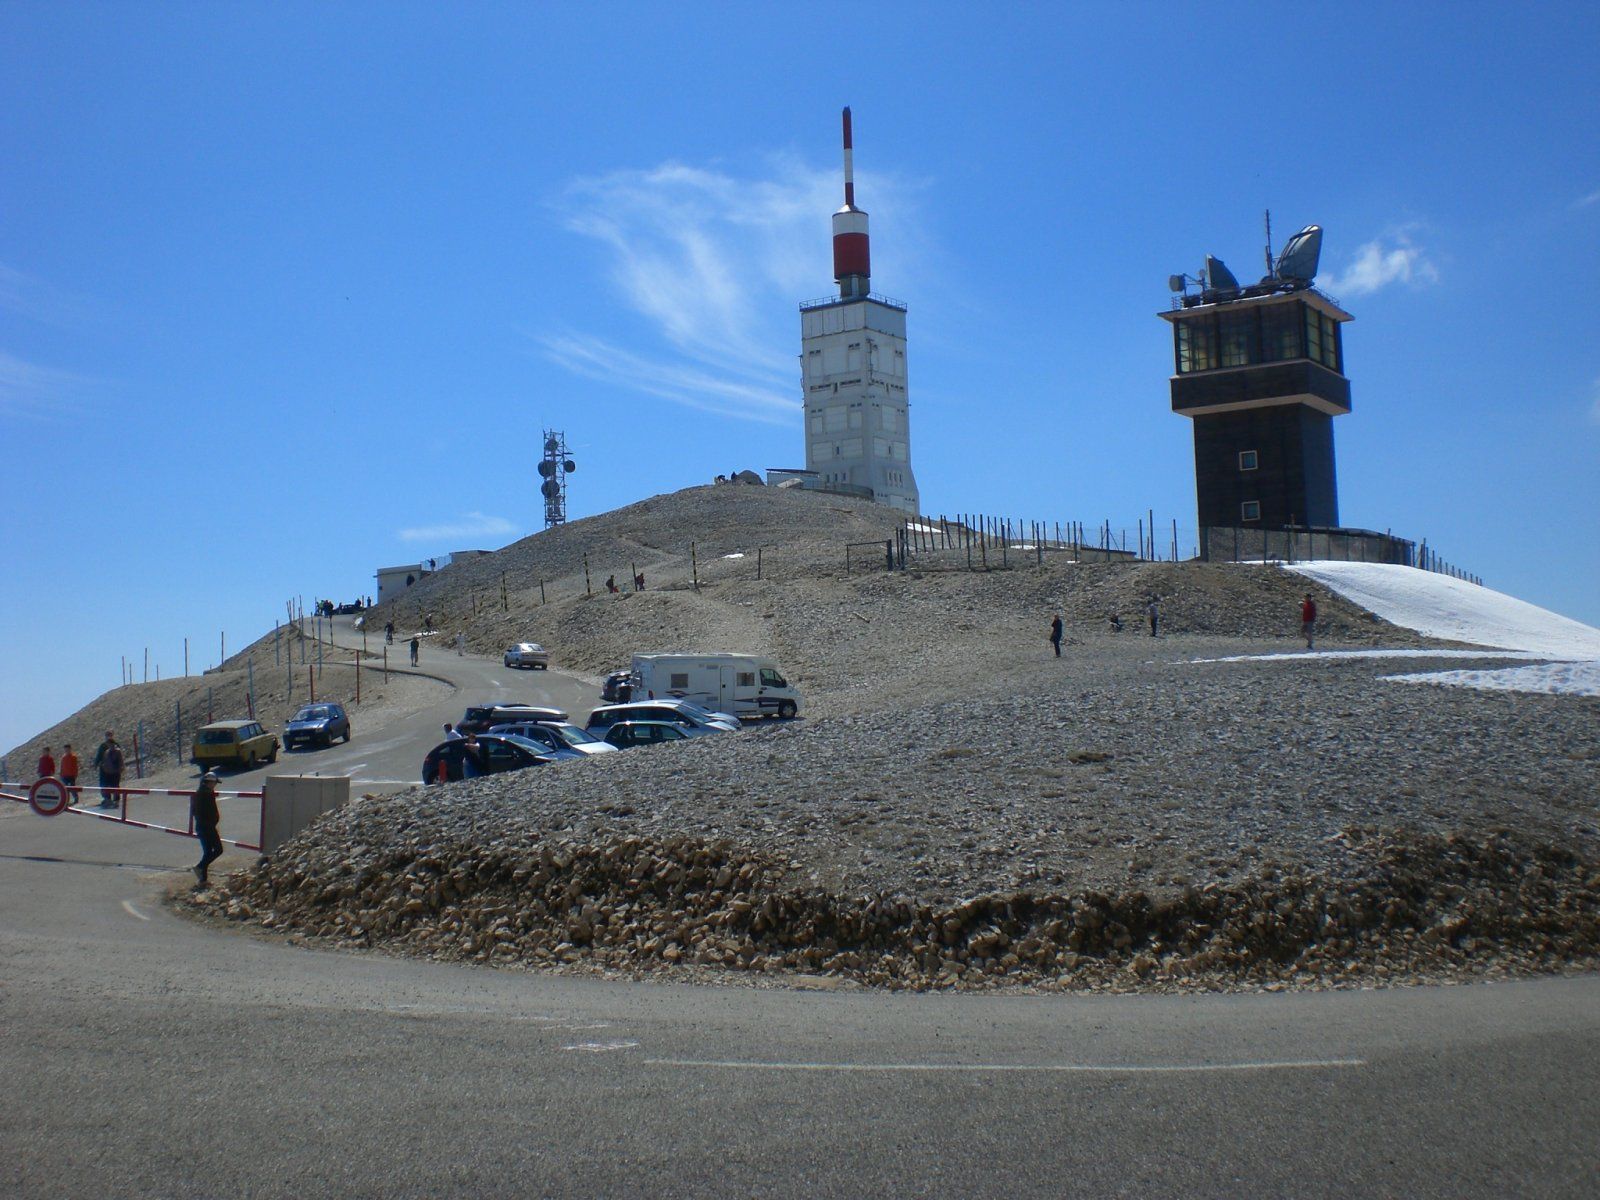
(853, 369)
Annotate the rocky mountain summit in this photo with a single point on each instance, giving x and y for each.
(958, 807)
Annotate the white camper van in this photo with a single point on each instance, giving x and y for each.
(743, 684)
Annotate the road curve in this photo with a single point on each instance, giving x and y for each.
(145, 1055)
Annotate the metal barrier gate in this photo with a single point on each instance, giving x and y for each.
(50, 797)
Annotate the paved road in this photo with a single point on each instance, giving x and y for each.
(143, 1055)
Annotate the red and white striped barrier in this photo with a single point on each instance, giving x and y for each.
(49, 797)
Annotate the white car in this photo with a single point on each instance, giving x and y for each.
(528, 654)
(560, 738)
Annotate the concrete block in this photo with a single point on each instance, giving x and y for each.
(291, 802)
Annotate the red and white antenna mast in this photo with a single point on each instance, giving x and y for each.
(852, 254)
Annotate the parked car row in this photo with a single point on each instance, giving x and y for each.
(510, 737)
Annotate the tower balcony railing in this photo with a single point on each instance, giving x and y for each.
(829, 301)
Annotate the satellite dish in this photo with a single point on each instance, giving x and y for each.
(1298, 262)
(569, 466)
(550, 489)
(1175, 283)
(547, 467)
(1220, 277)
(550, 446)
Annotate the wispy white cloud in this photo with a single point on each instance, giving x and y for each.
(22, 294)
(715, 263)
(1586, 201)
(470, 525)
(1379, 264)
(27, 389)
(682, 382)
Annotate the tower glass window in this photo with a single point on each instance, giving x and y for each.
(1237, 333)
(1281, 329)
(1250, 510)
(1197, 345)
(1247, 460)
(1322, 338)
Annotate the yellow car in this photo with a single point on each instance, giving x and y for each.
(241, 743)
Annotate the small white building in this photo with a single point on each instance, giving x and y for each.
(394, 580)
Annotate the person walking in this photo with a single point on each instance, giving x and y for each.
(47, 764)
(415, 646)
(461, 644)
(108, 762)
(1154, 610)
(1308, 619)
(388, 634)
(1055, 634)
(203, 813)
(68, 769)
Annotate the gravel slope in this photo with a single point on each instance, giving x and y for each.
(962, 809)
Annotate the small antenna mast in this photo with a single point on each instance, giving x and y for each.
(1271, 271)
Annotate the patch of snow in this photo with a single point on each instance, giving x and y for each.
(1439, 606)
(739, 554)
(1304, 655)
(1549, 679)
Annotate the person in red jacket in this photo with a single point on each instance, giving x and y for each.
(47, 764)
(1308, 619)
(68, 768)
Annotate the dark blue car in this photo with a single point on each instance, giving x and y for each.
(316, 725)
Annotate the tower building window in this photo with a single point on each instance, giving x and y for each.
(1247, 460)
(1250, 510)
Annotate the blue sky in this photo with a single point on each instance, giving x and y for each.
(287, 291)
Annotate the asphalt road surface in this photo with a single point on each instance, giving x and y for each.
(143, 1055)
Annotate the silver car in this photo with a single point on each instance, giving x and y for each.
(691, 718)
(528, 654)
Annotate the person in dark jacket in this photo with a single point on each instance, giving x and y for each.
(203, 812)
(108, 761)
(1055, 634)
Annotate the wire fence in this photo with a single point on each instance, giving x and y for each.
(981, 542)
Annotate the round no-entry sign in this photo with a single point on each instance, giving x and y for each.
(48, 797)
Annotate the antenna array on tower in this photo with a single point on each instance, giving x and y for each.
(554, 468)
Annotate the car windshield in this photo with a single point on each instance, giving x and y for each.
(313, 714)
(530, 747)
(572, 735)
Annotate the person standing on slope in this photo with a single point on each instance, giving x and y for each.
(1055, 634)
(47, 764)
(415, 646)
(1154, 610)
(1308, 618)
